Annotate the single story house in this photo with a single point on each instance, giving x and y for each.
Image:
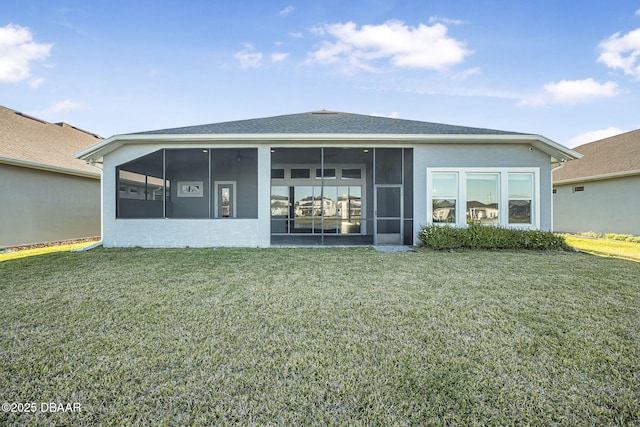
(47, 194)
(318, 178)
(601, 191)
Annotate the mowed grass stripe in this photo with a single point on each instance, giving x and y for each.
(321, 336)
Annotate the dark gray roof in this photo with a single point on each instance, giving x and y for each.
(328, 122)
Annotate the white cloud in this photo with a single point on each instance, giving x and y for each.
(36, 82)
(287, 10)
(296, 35)
(17, 51)
(249, 59)
(571, 92)
(52, 112)
(638, 12)
(467, 73)
(279, 56)
(622, 52)
(424, 46)
(447, 21)
(66, 105)
(594, 135)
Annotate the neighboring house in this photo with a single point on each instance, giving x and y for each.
(47, 194)
(601, 191)
(318, 178)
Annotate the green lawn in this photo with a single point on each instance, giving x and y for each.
(321, 336)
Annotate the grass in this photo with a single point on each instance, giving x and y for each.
(605, 247)
(321, 337)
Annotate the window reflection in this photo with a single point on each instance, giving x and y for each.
(482, 197)
(328, 209)
(279, 209)
(520, 198)
(303, 209)
(445, 193)
(349, 209)
(520, 211)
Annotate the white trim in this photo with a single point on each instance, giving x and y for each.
(601, 177)
(503, 212)
(47, 168)
(556, 151)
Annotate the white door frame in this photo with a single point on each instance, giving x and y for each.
(216, 198)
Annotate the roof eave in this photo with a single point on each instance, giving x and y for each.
(600, 177)
(47, 168)
(557, 152)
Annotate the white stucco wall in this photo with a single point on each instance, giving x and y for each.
(606, 206)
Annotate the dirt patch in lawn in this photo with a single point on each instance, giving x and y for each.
(48, 244)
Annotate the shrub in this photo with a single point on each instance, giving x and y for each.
(623, 237)
(477, 236)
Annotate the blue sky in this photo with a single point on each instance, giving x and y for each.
(567, 70)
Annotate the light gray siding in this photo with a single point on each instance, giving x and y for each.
(606, 206)
(474, 155)
(38, 206)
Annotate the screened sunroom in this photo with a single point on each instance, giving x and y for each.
(197, 183)
(341, 196)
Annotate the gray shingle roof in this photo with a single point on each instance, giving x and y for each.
(613, 155)
(328, 122)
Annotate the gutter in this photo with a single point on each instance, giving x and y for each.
(600, 177)
(47, 168)
(560, 166)
(97, 151)
(99, 242)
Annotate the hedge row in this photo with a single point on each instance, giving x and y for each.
(477, 236)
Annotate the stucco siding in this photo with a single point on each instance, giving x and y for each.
(606, 206)
(39, 206)
(472, 155)
(257, 232)
(156, 233)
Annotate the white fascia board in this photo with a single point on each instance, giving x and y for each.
(47, 168)
(556, 151)
(601, 177)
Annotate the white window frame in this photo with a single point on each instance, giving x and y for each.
(503, 206)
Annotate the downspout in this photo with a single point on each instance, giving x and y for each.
(562, 162)
(560, 166)
(98, 243)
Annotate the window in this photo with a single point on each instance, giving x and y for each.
(444, 195)
(277, 173)
(578, 188)
(520, 198)
(492, 196)
(327, 174)
(352, 173)
(483, 197)
(300, 173)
